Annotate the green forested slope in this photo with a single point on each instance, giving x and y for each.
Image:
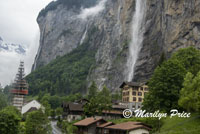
(65, 74)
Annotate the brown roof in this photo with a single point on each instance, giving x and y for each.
(87, 121)
(127, 126)
(137, 84)
(73, 106)
(122, 107)
(105, 124)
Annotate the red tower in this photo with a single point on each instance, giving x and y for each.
(20, 88)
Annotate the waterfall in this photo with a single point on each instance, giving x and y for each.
(137, 32)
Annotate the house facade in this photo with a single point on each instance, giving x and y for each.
(133, 93)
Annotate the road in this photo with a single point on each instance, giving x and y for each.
(55, 129)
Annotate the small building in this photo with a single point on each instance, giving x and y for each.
(89, 125)
(101, 128)
(133, 93)
(129, 128)
(31, 106)
(72, 111)
(75, 110)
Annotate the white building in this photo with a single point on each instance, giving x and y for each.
(33, 105)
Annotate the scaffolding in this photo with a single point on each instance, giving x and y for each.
(20, 88)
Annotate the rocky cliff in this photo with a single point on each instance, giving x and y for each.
(169, 25)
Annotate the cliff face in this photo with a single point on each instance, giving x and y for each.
(169, 25)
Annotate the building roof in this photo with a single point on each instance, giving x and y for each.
(88, 121)
(127, 126)
(105, 124)
(137, 84)
(73, 106)
(122, 107)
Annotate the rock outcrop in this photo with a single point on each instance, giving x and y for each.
(169, 25)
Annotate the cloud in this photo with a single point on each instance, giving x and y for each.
(92, 11)
(18, 25)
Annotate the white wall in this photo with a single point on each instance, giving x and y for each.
(139, 131)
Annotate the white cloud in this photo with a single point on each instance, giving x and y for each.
(18, 25)
(92, 11)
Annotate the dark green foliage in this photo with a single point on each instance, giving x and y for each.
(3, 101)
(9, 121)
(190, 93)
(37, 123)
(92, 91)
(67, 127)
(98, 102)
(167, 80)
(69, 4)
(64, 75)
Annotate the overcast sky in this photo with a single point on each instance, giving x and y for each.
(18, 25)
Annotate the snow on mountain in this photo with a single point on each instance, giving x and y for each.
(11, 47)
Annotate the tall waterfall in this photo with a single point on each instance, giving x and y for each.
(137, 32)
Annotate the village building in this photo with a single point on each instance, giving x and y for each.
(101, 126)
(75, 110)
(89, 125)
(31, 106)
(72, 111)
(133, 94)
(129, 128)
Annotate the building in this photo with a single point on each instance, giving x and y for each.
(20, 88)
(75, 110)
(31, 106)
(101, 126)
(129, 128)
(89, 125)
(72, 111)
(133, 93)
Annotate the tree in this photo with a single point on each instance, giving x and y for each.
(167, 80)
(98, 103)
(3, 101)
(190, 93)
(104, 99)
(37, 123)
(9, 121)
(92, 90)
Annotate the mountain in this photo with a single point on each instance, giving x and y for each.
(128, 36)
(11, 47)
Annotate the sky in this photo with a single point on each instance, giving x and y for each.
(18, 25)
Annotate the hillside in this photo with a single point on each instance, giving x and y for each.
(132, 35)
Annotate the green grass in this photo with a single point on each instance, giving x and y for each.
(178, 125)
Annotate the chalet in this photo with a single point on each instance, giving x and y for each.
(129, 128)
(89, 125)
(101, 126)
(75, 110)
(72, 111)
(133, 93)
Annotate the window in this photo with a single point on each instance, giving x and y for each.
(141, 88)
(134, 98)
(140, 99)
(134, 93)
(139, 93)
(146, 89)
